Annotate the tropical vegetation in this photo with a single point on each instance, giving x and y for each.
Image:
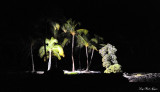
(53, 49)
(70, 32)
(109, 59)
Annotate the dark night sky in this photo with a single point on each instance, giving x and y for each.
(132, 26)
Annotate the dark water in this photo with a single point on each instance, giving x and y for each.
(57, 82)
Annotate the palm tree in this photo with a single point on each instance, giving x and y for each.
(55, 29)
(79, 41)
(93, 48)
(32, 43)
(79, 45)
(94, 44)
(52, 48)
(85, 42)
(69, 27)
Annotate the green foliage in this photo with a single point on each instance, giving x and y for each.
(93, 47)
(55, 29)
(106, 64)
(109, 59)
(65, 42)
(113, 69)
(82, 31)
(82, 40)
(41, 51)
(51, 45)
(70, 26)
(94, 40)
(98, 38)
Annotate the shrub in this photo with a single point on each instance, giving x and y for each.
(109, 59)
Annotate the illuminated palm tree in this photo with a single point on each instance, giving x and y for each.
(93, 48)
(85, 42)
(63, 37)
(79, 45)
(69, 27)
(79, 41)
(93, 45)
(52, 49)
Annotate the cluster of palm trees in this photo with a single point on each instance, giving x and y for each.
(70, 27)
(62, 35)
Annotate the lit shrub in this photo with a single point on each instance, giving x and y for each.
(109, 59)
(113, 69)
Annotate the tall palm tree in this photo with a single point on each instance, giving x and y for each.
(93, 48)
(69, 27)
(32, 43)
(81, 32)
(52, 48)
(55, 30)
(85, 42)
(94, 43)
(79, 45)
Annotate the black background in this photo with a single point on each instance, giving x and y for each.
(131, 26)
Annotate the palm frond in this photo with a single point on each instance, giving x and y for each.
(41, 51)
(93, 47)
(59, 49)
(94, 40)
(56, 54)
(69, 26)
(56, 26)
(99, 38)
(53, 41)
(102, 45)
(65, 42)
(82, 31)
(83, 40)
(55, 29)
(79, 42)
(47, 41)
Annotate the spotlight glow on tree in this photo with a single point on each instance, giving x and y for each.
(52, 49)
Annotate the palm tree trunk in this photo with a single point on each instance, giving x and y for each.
(33, 70)
(91, 58)
(87, 58)
(73, 67)
(49, 62)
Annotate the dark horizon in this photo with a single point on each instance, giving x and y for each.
(132, 27)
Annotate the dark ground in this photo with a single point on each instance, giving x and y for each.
(24, 82)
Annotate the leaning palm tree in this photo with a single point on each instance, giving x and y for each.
(93, 48)
(85, 42)
(80, 46)
(94, 43)
(69, 27)
(53, 49)
(81, 32)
